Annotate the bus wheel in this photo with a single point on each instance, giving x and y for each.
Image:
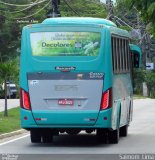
(113, 136)
(47, 136)
(124, 131)
(35, 136)
(102, 135)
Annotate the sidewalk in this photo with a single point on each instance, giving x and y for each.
(14, 133)
(12, 103)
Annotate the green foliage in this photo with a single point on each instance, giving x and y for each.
(140, 76)
(121, 10)
(150, 81)
(9, 70)
(83, 8)
(10, 26)
(9, 33)
(146, 9)
(138, 79)
(125, 28)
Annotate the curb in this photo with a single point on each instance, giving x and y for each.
(18, 132)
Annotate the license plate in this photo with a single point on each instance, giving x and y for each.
(65, 102)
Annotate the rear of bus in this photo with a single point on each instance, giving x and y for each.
(65, 78)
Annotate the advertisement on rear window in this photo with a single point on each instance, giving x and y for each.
(65, 43)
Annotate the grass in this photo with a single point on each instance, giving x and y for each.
(10, 123)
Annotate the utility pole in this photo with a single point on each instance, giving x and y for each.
(109, 4)
(54, 12)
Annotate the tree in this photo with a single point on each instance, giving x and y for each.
(150, 81)
(146, 9)
(82, 8)
(8, 71)
(9, 39)
(138, 79)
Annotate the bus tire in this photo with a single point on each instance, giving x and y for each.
(102, 135)
(124, 131)
(47, 136)
(35, 136)
(113, 136)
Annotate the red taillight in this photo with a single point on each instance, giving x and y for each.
(106, 99)
(24, 100)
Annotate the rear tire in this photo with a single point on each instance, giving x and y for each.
(113, 136)
(124, 131)
(102, 135)
(35, 136)
(47, 136)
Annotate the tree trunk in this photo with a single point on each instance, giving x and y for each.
(6, 106)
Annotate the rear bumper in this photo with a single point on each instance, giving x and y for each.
(103, 121)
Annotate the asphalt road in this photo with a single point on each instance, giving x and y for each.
(141, 138)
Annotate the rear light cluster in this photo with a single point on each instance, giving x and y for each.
(106, 99)
(24, 100)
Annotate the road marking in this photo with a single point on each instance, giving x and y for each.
(14, 140)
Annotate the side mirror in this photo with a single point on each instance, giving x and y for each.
(136, 55)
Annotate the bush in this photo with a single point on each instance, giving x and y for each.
(140, 76)
(138, 79)
(150, 81)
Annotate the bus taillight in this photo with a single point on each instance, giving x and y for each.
(24, 100)
(106, 99)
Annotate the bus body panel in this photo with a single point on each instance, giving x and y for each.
(71, 93)
(28, 122)
(122, 99)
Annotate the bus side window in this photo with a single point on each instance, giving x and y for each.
(120, 55)
(136, 61)
(114, 55)
(136, 55)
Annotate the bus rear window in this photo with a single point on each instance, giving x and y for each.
(65, 43)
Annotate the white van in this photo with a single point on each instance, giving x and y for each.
(11, 89)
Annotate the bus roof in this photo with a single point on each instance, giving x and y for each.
(136, 48)
(78, 20)
(88, 21)
(119, 32)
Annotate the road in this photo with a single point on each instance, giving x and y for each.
(141, 138)
(11, 103)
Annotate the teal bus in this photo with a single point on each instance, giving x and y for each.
(76, 75)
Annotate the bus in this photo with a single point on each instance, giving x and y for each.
(76, 75)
